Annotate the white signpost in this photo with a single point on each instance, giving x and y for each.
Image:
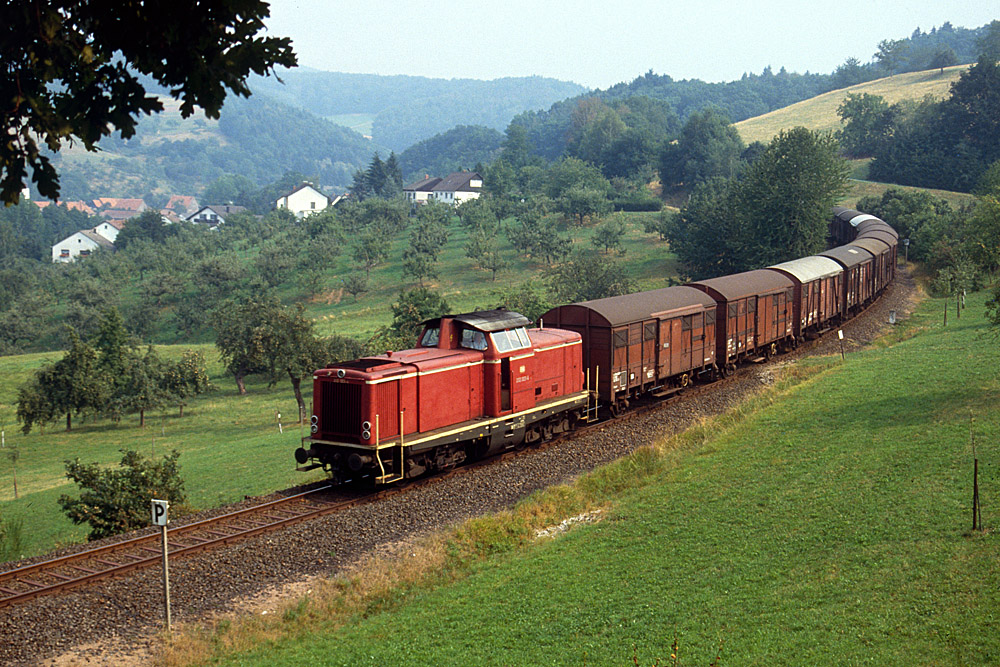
(161, 519)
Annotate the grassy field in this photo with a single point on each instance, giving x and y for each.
(858, 188)
(820, 112)
(827, 521)
(230, 447)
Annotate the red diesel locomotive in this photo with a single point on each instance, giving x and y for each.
(477, 384)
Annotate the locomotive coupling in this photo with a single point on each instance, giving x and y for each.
(302, 455)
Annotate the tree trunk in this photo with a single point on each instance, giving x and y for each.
(181, 415)
(142, 418)
(69, 421)
(297, 388)
(239, 384)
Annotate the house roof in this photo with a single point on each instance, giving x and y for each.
(120, 203)
(117, 224)
(458, 182)
(97, 238)
(426, 184)
(221, 210)
(117, 214)
(303, 187)
(185, 202)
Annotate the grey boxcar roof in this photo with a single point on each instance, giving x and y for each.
(880, 234)
(874, 223)
(488, 320)
(619, 310)
(810, 268)
(849, 256)
(748, 283)
(874, 246)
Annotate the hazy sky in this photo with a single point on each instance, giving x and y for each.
(598, 44)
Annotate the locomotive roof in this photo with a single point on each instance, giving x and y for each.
(809, 268)
(488, 320)
(848, 255)
(748, 283)
(618, 310)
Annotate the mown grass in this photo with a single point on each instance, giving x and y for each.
(858, 187)
(820, 112)
(826, 521)
(230, 447)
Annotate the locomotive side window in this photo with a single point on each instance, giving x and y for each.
(473, 340)
(430, 337)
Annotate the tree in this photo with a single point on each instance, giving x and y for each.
(113, 500)
(944, 58)
(188, 377)
(610, 233)
(484, 249)
(868, 124)
(372, 248)
(890, 54)
(581, 202)
(247, 337)
(139, 388)
(709, 146)
(988, 43)
(426, 241)
(586, 276)
(356, 284)
(529, 298)
(73, 71)
(413, 308)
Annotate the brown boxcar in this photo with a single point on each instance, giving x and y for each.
(883, 266)
(857, 263)
(643, 341)
(753, 313)
(817, 291)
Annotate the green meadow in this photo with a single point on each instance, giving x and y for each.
(230, 447)
(825, 521)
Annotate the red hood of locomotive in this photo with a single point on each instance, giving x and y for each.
(395, 363)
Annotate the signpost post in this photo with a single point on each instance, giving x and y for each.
(160, 519)
(840, 335)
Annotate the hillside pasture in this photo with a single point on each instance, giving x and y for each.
(820, 112)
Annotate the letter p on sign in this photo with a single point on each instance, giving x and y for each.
(160, 512)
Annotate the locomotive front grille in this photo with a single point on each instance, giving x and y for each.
(340, 409)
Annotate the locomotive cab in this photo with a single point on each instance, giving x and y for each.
(476, 384)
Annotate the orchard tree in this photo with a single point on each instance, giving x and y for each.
(610, 233)
(484, 249)
(247, 337)
(186, 378)
(73, 71)
(586, 276)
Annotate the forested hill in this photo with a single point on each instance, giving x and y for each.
(258, 138)
(408, 109)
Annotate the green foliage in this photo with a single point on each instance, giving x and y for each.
(113, 500)
(535, 235)
(609, 234)
(709, 146)
(778, 211)
(530, 298)
(413, 308)
(890, 55)
(483, 248)
(586, 276)
(98, 71)
(426, 241)
(867, 124)
(11, 538)
(380, 179)
(186, 378)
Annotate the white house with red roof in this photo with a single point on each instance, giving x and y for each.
(80, 244)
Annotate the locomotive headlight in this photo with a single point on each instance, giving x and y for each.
(314, 428)
(365, 435)
(314, 419)
(366, 426)
(341, 372)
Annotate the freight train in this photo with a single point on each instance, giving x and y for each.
(481, 383)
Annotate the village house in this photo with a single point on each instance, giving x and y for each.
(303, 201)
(80, 244)
(453, 189)
(214, 215)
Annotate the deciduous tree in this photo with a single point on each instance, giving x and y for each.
(73, 71)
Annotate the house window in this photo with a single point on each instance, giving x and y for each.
(312, 204)
(64, 252)
(84, 253)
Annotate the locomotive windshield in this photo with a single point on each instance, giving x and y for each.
(473, 340)
(512, 339)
